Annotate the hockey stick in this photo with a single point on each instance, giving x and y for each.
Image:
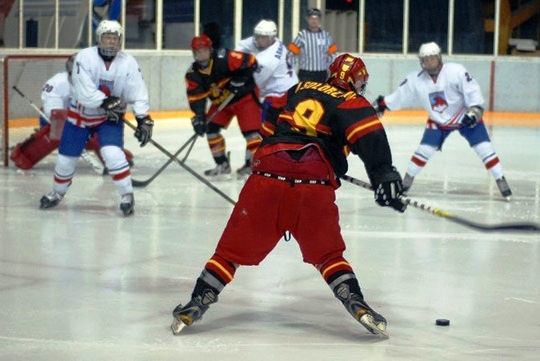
(193, 139)
(146, 182)
(186, 167)
(526, 227)
(96, 166)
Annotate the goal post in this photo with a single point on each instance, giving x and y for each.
(28, 73)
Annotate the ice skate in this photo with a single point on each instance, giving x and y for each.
(186, 315)
(407, 183)
(50, 200)
(244, 171)
(504, 188)
(222, 169)
(360, 310)
(127, 204)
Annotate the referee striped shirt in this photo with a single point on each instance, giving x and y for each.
(315, 49)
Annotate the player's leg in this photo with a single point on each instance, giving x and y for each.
(319, 237)
(249, 236)
(71, 146)
(253, 140)
(432, 141)
(249, 115)
(216, 141)
(111, 140)
(479, 140)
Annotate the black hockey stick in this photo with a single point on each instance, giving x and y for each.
(525, 227)
(96, 166)
(146, 182)
(193, 139)
(186, 167)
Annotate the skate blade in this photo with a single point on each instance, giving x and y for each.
(369, 323)
(177, 326)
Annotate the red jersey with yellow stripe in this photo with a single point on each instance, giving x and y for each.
(337, 122)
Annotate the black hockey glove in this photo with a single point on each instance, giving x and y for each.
(111, 105)
(199, 124)
(145, 124)
(470, 119)
(389, 190)
(379, 105)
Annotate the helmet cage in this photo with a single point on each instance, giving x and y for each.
(430, 49)
(109, 27)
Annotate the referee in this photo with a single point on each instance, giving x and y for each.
(314, 48)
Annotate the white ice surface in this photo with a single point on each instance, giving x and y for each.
(80, 282)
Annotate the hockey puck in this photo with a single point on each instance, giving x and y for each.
(442, 322)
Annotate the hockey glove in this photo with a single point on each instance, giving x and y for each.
(111, 105)
(470, 119)
(389, 191)
(379, 105)
(199, 124)
(145, 124)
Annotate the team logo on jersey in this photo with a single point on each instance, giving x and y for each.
(106, 86)
(438, 101)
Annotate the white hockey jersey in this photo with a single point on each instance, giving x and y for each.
(93, 82)
(446, 99)
(275, 73)
(55, 93)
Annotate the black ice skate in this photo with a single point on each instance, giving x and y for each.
(407, 183)
(127, 204)
(244, 171)
(50, 200)
(219, 170)
(360, 310)
(504, 188)
(193, 311)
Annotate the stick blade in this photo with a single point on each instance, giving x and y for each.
(506, 227)
(139, 184)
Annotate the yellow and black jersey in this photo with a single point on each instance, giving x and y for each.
(213, 81)
(339, 122)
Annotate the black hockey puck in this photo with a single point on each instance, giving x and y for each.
(442, 322)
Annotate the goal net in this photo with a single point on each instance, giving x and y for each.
(28, 73)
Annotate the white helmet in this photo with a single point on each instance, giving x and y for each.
(109, 27)
(265, 28)
(430, 49)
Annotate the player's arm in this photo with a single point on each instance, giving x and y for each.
(196, 93)
(367, 138)
(51, 98)
(84, 88)
(403, 96)
(473, 98)
(135, 90)
(242, 66)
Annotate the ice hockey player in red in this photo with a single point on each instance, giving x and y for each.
(296, 171)
(105, 80)
(214, 76)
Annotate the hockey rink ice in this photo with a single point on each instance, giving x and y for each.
(81, 282)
